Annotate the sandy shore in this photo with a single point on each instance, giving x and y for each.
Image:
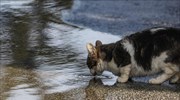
(28, 83)
(129, 91)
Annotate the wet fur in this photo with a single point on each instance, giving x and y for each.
(143, 53)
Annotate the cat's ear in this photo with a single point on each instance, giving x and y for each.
(91, 49)
(98, 43)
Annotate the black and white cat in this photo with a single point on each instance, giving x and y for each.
(144, 53)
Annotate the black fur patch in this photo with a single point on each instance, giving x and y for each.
(174, 56)
(116, 51)
(149, 44)
(107, 49)
(120, 55)
(91, 62)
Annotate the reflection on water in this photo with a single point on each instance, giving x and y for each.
(19, 42)
(23, 40)
(40, 55)
(35, 43)
(21, 82)
(23, 29)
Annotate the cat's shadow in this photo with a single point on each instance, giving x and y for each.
(97, 82)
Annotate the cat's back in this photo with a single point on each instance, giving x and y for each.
(156, 34)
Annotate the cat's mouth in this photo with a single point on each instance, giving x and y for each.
(94, 73)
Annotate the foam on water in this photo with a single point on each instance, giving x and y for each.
(14, 4)
(72, 76)
(77, 38)
(22, 92)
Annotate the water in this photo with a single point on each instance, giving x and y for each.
(124, 16)
(43, 42)
(33, 37)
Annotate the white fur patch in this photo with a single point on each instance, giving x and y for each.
(112, 67)
(101, 66)
(175, 78)
(158, 62)
(156, 29)
(125, 71)
(135, 69)
(168, 71)
(130, 49)
(157, 65)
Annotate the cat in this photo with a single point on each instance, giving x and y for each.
(148, 52)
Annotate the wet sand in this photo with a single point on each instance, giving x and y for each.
(129, 91)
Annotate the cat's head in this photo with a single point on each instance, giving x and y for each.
(95, 58)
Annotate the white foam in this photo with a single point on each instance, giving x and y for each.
(77, 38)
(64, 80)
(15, 3)
(111, 81)
(60, 80)
(22, 92)
(20, 86)
(90, 36)
(68, 78)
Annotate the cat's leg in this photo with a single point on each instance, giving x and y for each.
(175, 78)
(169, 71)
(125, 71)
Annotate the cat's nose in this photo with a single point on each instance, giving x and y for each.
(93, 72)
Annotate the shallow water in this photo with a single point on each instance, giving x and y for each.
(43, 41)
(33, 37)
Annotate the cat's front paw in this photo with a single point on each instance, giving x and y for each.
(122, 80)
(174, 79)
(154, 81)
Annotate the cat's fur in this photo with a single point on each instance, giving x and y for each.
(144, 53)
